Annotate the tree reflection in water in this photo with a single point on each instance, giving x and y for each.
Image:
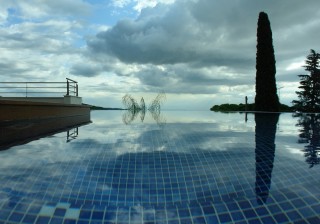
(310, 135)
(266, 125)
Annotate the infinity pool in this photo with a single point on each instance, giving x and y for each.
(180, 167)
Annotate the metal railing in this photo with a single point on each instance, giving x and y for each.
(72, 87)
(39, 88)
(72, 134)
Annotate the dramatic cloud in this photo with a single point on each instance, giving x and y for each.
(185, 47)
(205, 30)
(182, 79)
(199, 46)
(40, 40)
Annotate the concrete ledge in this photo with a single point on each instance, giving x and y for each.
(35, 99)
(66, 99)
(72, 100)
(22, 110)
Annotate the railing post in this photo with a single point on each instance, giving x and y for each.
(76, 89)
(67, 87)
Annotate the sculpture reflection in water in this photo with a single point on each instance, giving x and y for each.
(266, 126)
(134, 109)
(310, 135)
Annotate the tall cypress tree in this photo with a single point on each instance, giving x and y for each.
(266, 91)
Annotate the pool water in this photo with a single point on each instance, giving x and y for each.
(180, 167)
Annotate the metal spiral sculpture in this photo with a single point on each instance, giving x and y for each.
(133, 108)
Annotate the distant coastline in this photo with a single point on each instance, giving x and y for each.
(242, 107)
(92, 107)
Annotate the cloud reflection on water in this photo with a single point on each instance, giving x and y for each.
(210, 158)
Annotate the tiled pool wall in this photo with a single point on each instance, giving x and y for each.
(223, 171)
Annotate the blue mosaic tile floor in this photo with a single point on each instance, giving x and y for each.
(211, 169)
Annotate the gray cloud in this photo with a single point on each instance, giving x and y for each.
(208, 47)
(38, 46)
(38, 8)
(207, 32)
(48, 37)
(9, 67)
(184, 79)
(85, 70)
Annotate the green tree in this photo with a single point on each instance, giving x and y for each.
(266, 91)
(309, 96)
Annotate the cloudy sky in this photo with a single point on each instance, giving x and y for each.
(199, 52)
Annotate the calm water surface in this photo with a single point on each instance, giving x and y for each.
(180, 167)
